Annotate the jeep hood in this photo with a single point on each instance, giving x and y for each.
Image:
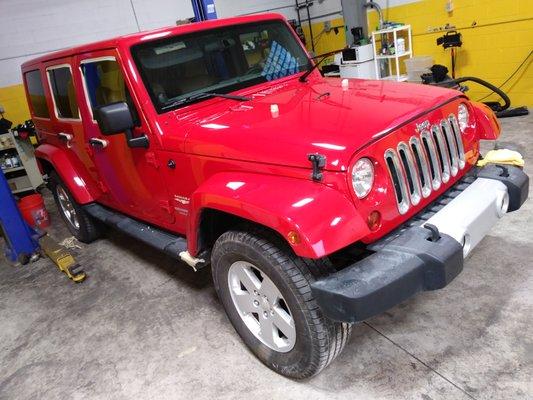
(314, 117)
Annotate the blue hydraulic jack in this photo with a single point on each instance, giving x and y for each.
(22, 241)
(24, 244)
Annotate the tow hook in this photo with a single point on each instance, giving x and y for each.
(435, 234)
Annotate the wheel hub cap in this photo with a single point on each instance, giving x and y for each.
(261, 306)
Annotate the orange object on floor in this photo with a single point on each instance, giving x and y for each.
(34, 212)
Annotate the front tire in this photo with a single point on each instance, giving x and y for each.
(265, 290)
(82, 226)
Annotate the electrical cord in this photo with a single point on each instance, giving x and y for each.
(510, 77)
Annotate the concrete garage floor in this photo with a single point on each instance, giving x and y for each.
(142, 327)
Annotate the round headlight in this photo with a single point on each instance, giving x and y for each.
(362, 177)
(462, 117)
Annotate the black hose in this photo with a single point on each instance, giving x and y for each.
(498, 91)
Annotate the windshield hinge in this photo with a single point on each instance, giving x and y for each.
(319, 162)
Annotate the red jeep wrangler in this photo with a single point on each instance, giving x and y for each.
(317, 203)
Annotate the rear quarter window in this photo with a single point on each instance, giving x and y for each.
(64, 93)
(34, 85)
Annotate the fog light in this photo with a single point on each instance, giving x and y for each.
(293, 237)
(374, 220)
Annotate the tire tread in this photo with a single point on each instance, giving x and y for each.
(328, 337)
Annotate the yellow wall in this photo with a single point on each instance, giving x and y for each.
(13, 99)
(491, 51)
(326, 42)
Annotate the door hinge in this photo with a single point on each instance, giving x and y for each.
(165, 206)
(151, 159)
(102, 187)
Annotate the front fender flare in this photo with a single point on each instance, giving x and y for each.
(71, 171)
(489, 127)
(325, 219)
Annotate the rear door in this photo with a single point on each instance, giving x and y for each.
(130, 177)
(66, 128)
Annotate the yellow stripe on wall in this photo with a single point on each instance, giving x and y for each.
(13, 99)
(326, 41)
(492, 50)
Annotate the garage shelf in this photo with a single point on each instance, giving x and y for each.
(391, 35)
(392, 56)
(7, 171)
(28, 177)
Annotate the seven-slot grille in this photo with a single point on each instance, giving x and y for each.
(425, 162)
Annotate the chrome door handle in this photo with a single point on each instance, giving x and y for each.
(67, 137)
(99, 143)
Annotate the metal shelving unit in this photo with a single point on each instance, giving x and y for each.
(391, 35)
(23, 178)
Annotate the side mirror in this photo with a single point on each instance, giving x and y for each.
(116, 118)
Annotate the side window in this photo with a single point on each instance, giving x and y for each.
(105, 84)
(63, 92)
(35, 88)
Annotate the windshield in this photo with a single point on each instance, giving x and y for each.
(176, 69)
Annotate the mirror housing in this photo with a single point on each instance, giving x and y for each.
(116, 118)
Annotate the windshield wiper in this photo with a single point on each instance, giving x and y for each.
(203, 95)
(303, 77)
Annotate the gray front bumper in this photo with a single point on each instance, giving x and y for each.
(417, 257)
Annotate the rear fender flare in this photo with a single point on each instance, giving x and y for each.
(71, 171)
(324, 218)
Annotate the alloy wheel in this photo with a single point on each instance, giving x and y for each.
(67, 207)
(261, 306)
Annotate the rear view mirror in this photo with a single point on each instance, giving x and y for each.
(114, 118)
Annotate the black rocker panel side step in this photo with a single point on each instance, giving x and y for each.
(157, 238)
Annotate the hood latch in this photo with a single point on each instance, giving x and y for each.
(319, 162)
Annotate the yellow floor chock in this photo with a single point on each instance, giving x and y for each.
(62, 258)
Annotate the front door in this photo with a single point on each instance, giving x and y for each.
(129, 177)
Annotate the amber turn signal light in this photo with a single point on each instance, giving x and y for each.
(374, 220)
(293, 237)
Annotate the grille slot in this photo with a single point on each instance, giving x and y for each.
(398, 180)
(422, 164)
(413, 179)
(431, 151)
(458, 140)
(442, 153)
(425, 162)
(451, 146)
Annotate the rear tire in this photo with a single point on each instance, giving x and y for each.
(82, 226)
(317, 340)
